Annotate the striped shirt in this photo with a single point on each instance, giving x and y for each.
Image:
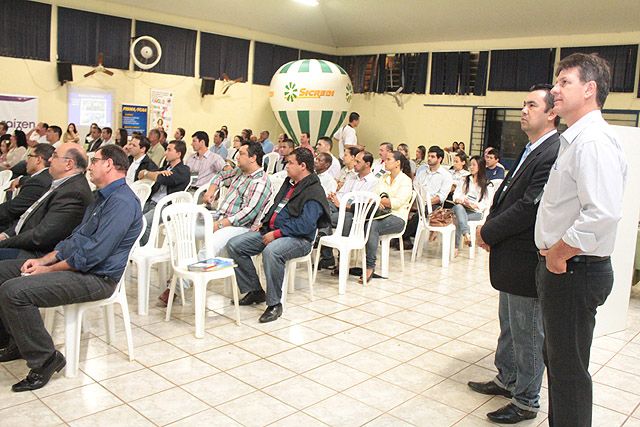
(247, 197)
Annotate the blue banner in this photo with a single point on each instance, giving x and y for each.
(134, 118)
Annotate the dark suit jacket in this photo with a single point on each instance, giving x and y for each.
(509, 228)
(53, 219)
(30, 190)
(177, 182)
(145, 164)
(94, 145)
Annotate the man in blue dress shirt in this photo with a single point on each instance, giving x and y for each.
(86, 266)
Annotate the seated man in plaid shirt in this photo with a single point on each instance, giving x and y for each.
(248, 196)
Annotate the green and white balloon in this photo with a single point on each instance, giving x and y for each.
(310, 95)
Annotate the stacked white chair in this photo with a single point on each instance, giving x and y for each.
(153, 252)
(180, 221)
(364, 204)
(385, 242)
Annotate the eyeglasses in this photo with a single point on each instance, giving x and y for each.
(95, 160)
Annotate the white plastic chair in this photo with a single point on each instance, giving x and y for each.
(180, 222)
(473, 225)
(153, 253)
(385, 242)
(142, 190)
(73, 314)
(5, 181)
(273, 161)
(447, 233)
(365, 204)
(199, 193)
(288, 285)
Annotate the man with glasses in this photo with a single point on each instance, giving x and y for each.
(84, 267)
(31, 187)
(56, 213)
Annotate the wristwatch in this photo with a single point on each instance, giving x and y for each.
(220, 225)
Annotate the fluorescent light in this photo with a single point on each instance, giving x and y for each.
(308, 2)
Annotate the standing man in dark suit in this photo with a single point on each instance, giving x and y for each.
(31, 187)
(56, 213)
(508, 235)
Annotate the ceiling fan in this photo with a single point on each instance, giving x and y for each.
(100, 67)
(397, 95)
(228, 82)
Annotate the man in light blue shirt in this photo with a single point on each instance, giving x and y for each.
(267, 146)
(218, 145)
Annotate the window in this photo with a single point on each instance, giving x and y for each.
(460, 73)
(268, 58)
(622, 60)
(104, 34)
(518, 70)
(26, 29)
(223, 55)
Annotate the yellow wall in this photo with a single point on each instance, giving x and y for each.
(247, 105)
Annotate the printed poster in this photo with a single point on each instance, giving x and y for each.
(161, 107)
(19, 111)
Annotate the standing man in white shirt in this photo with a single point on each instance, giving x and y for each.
(575, 232)
(346, 136)
(325, 145)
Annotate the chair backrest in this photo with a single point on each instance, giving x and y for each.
(198, 194)
(142, 190)
(136, 245)
(422, 195)
(180, 221)
(273, 161)
(5, 177)
(174, 198)
(222, 194)
(276, 182)
(364, 205)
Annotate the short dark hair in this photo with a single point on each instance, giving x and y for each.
(266, 131)
(289, 142)
(143, 142)
(202, 136)
(223, 132)
(163, 133)
(45, 151)
(326, 158)
(548, 98)
(57, 130)
(327, 140)
(439, 152)
(180, 147)
(80, 159)
(352, 150)
(220, 134)
(304, 156)
(44, 125)
(388, 146)
(307, 134)
(591, 67)
(255, 149)
(182, 132)
(108, 129)
(354, 116)
(116, 154)
(493, 152)
(367, 157)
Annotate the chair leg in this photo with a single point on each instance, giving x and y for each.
(472, 235)
(310, 277)
(172, 292)
(234, 287)
(110, 320)
(199, 300)
(72, 331)
(144, 272)
(446, 249)
(344, 271)
(285, 284)
(315, 266)
(364, 267)
(385, 258)
(292, 277)
(124, 305)
(401, 254)
(416, 244)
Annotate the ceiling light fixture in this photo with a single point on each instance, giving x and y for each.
(307, 2)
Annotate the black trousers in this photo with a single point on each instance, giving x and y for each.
(21, 296)
(569, 302)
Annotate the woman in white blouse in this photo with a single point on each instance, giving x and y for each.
(395, 190)
(17, 150)
(460, 169)
(471, 199)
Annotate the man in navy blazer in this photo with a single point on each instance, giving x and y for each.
(508, 235)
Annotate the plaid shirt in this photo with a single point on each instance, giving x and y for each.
(247, 197)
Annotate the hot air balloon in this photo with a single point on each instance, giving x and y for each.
(310, 95)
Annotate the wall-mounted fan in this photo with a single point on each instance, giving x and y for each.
(145, 52)
(100, 67)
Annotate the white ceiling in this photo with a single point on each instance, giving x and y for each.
(352, 23)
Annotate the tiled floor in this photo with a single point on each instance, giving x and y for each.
(398, 352)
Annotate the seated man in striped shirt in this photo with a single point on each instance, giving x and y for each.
(248, 195)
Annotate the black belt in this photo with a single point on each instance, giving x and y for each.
(581, 259)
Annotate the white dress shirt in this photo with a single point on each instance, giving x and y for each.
(345, 136)
(131, 172)
(582, 201)
(328, 182)
(355, 183)
(437, 183)
(334, 169)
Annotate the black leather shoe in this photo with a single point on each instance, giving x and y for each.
(489, 387)
(510, 414)
(327, 264)
(271, 313)
(9, 353)
(253, 297)
(38, 378)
